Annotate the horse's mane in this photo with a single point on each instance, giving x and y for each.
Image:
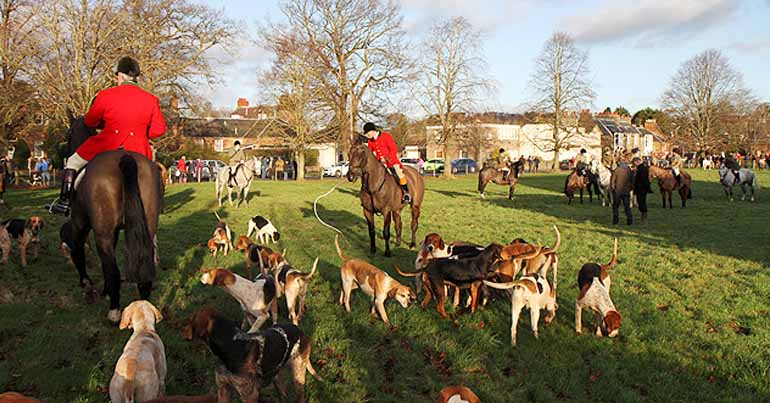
(78, 133)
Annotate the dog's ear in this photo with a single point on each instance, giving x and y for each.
(187, 331)
(441, 243)
(126, 318)
(28, 223)
(392, 292)
(157, 313)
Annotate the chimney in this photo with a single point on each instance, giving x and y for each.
(243, 103)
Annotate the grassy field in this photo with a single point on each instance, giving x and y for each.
(692, 286)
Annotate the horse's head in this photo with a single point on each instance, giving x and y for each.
(77, 133)
(357, 158)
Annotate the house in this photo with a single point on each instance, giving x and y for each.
(256, 127)
(481, 140)
(618, 132)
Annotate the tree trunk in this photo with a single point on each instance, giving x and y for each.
(555, 165)
(447, 163)
(299, 156)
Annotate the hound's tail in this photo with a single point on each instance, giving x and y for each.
(339, 250)
(405, 274)
(505, 286)
(218, 217)
(614, 260)
(141, 259)
(308, 276)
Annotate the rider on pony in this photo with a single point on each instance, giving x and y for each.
(504, 163)
(676, 164)
(732, 164)
(385, 150)
(581, 160)
(128, 117)
(236, 161)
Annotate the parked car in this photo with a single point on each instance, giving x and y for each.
(463, 165)
(435, 165)
(411, 162)
(564, 165)
(337, 170)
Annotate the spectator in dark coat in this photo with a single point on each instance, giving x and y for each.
(642, 186)
(621, 184)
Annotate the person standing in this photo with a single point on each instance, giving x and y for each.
(43, 168)
(198, 169)
(181, 166)
(621, 184)
(128, 116)
(537, 163)
(642, 186)
(265, 165)
(280, 166)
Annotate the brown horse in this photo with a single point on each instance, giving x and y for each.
(667, 184)
(380, 193)
(577, 181)
(490, 173)
(120, 190)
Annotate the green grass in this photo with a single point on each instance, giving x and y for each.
(689, 285)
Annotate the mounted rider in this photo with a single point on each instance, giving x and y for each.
(504, 163)
(733, 165)
(237, 159)
(128, 117)
(581, 159)
(675, 163)
(385, 150)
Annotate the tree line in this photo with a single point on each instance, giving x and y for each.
(335, 64)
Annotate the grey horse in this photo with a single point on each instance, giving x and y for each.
(243, 179)
(746, 178)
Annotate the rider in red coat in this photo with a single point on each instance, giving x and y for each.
(128, 117)
(384, 148)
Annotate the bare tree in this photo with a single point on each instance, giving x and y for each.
(82, 40)
(701, 96)
(561, 83)
(17, 46)
(292, 83)
(453, 77)
(357, 47)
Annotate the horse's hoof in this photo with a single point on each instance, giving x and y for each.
(91, 296)
(388, 254)
(412, 244)
(113, 315)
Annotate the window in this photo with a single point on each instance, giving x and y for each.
(463, 154)
(262, 116)
(648, 144)
(439, 154)
(618, 140)
(38, 149)
(219, 145)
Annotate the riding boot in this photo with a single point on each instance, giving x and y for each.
(644, 218)
(736, 177)
(230, 177)
(62, 205)
(406, 198)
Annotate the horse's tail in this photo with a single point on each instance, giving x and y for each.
(141, 262)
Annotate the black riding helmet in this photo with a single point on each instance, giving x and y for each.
(583, 151)
(369, 126)
(129, 67)
(237, 143)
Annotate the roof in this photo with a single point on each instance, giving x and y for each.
(610, 126)
(234, 127)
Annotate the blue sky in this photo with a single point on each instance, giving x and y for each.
(634, 46)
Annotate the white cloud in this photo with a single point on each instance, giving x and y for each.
(650, 22)
(487, 15)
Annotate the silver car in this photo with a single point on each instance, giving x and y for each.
(337, 170)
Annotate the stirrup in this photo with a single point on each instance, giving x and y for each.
(59, 208)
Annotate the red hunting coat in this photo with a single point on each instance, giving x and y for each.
(385, 147)
(128, 116)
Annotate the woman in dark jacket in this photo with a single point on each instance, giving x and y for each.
(642, 186)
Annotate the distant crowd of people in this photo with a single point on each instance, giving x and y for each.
(267, 167)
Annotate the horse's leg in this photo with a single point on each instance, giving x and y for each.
(246, 192)
(511, 188)
(415, 223)
(80, 236)
(683, 195)
(663, 197)
(370, 224)
(386, 231)
(581, 195)
(105, 245)
(219, 191)
(397, 224)
(482, 185)
(743, 191)
(670, 197)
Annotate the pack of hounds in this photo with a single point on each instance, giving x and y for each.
(251, 355)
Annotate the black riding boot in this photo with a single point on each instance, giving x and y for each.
(644, 218)
(231, 177)
(62, 205)
(736, 177)
(406, 198)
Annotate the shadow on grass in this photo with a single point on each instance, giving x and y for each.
(700, 215)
